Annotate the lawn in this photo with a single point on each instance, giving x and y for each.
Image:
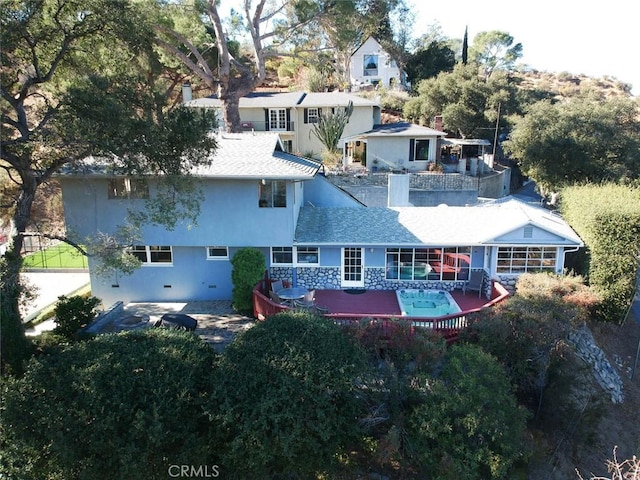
(58, 256)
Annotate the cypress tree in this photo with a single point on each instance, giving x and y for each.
(465, 47)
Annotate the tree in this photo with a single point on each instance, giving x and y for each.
(231, 77)
(494, 50)
(81, 78)
(430, 61)
(468, 104)
(124, 406)
(330, 127)
(581, 140)
(465, 47)
(286, 402)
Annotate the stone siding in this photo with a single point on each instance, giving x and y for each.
(329, 278)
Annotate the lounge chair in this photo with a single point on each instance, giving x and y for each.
(476, 278)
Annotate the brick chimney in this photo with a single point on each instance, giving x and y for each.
(437, 122)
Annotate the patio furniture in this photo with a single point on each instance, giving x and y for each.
(277, 285)
(292, 293)
(179, 321)
(307, 301)
(475, 282)
(276, 298)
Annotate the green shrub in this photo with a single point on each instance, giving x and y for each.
(123, 406)
(74, 313)
(287, 398)
(248, 269)
(524, 334)
(470, 425)
(607, 218)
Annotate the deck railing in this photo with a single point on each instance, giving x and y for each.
(449, 326)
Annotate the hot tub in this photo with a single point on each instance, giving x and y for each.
(426, 303)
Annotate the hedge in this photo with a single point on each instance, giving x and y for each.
(607, 218)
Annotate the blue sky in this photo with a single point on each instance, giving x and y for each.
(594, 39)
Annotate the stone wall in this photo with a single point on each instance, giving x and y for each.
(329, 278)
(606, 376)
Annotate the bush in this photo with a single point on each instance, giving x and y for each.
(123, 406)
(607, 217)
(409, 349)
(524, 335)
(288, 405)
(73, 314)
(248, 269)
(469, 425)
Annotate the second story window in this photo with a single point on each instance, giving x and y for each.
(277, 119)
(272, 193)
(370, 65)
(128, 188)
(312, 115)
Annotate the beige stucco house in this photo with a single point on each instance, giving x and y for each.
(293, 114)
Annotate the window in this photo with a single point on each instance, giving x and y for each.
(370, 65)
(307, 255)
(153, 254)
(128, 188)
(277, 119)
(281, 255)
(516, 260)
(312, 115)
(272, 193)
(421, 150)
(444, 264)
(287, 145)
(217, 253)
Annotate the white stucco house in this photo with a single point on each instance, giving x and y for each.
(372, 65)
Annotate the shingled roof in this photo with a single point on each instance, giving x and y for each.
(443, 225)
(239, 155)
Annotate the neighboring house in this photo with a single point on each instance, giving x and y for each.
(395, 146)
(293, 114)
(372, 65)
(311, 232)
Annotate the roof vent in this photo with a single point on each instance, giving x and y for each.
(528, 232)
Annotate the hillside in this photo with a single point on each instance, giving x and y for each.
(564, 84)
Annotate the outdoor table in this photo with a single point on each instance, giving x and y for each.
(292, 293)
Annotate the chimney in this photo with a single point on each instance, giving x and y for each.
(398, 190)
(186, 92)
(437, 122)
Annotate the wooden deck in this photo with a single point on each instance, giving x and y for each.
(382, 302)
(345, 307)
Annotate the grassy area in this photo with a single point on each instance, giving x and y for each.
(58, 256)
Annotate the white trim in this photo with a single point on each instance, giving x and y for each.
(356, 267)
(306, 264)
(274, 264)
(149, 263)
(216, 257)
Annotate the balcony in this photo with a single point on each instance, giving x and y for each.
(262, 126)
